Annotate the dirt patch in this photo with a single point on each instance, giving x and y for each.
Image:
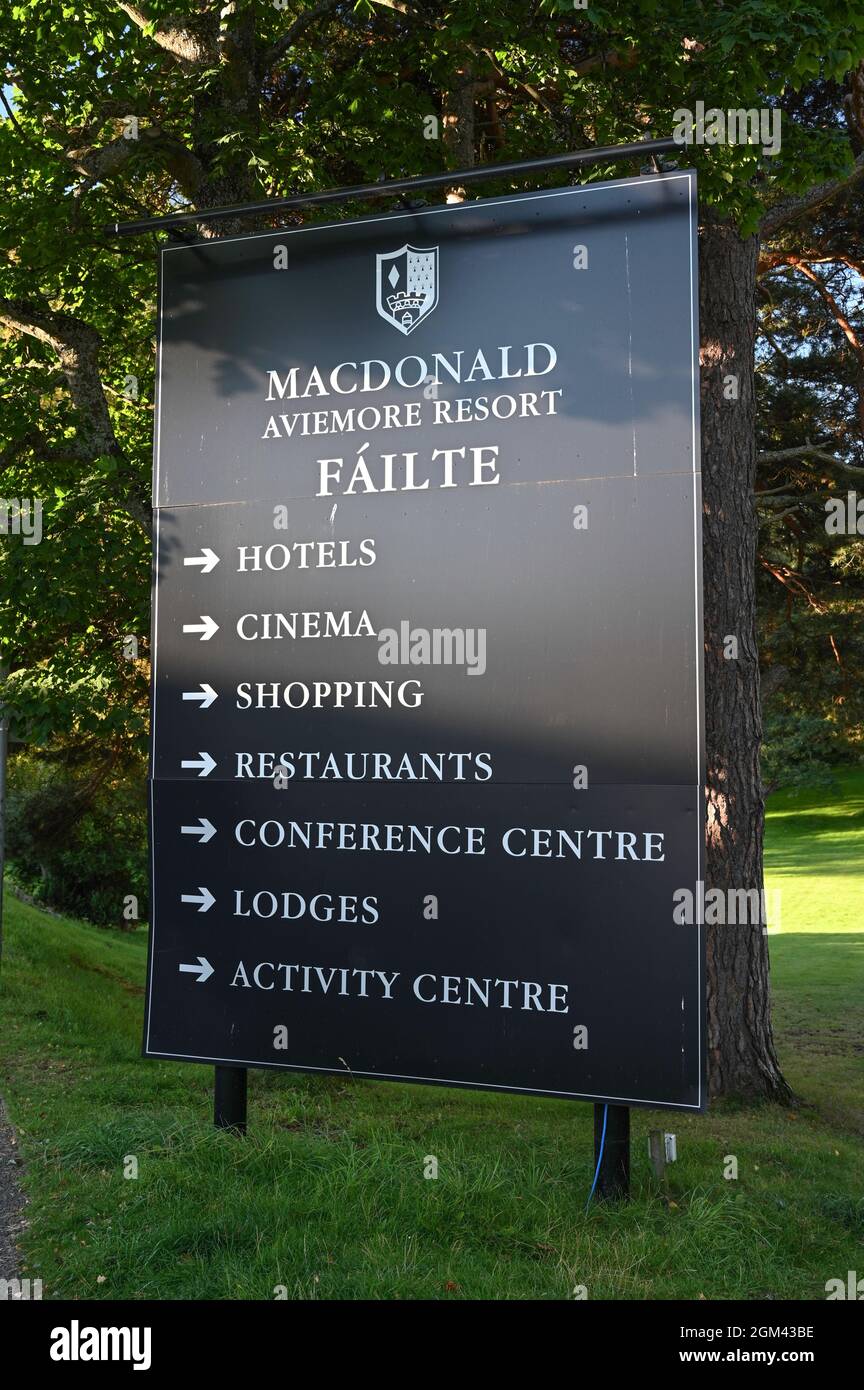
(107, 974)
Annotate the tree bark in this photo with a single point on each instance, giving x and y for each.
(741, 1056)
(459, 125)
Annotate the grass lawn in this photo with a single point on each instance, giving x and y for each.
(326, 1197)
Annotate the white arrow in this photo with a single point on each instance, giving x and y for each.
(204, 830)
(203, 970)
(208, 560)
(205, 694)
(204, 761)
(206, 627)
(203, 896)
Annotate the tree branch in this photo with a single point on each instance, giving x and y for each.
(97, 162)
(510, 80)
(296, 31)
(790, 580)
(808, 450)
(189, 40)
(71, 451)
(783, 213)
(843, 324)
(77, 345)
(772, 341)
(779, 260)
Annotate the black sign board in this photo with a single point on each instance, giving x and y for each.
(427, 760)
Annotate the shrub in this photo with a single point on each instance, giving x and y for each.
(77, 838)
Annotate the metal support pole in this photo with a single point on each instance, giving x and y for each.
(229, 1098)
(613, 1178)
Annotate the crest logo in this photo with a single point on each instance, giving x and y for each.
(406, 285)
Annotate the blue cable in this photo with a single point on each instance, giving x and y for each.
(599, 1157)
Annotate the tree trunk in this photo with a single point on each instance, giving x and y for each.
(459, 124)
(741, 1056)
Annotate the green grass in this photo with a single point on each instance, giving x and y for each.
(326, 1196)
(815, 858)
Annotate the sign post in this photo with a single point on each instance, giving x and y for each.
(229, 1098)
(426, 769)
(612, 1152)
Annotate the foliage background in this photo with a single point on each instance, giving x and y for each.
(252, 99)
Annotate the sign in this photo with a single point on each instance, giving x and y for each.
(426, 764)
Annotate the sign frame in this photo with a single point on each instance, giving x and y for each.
(407, 218)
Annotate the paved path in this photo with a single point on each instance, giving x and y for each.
(11, 1199)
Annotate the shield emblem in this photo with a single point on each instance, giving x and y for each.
(406, 285)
